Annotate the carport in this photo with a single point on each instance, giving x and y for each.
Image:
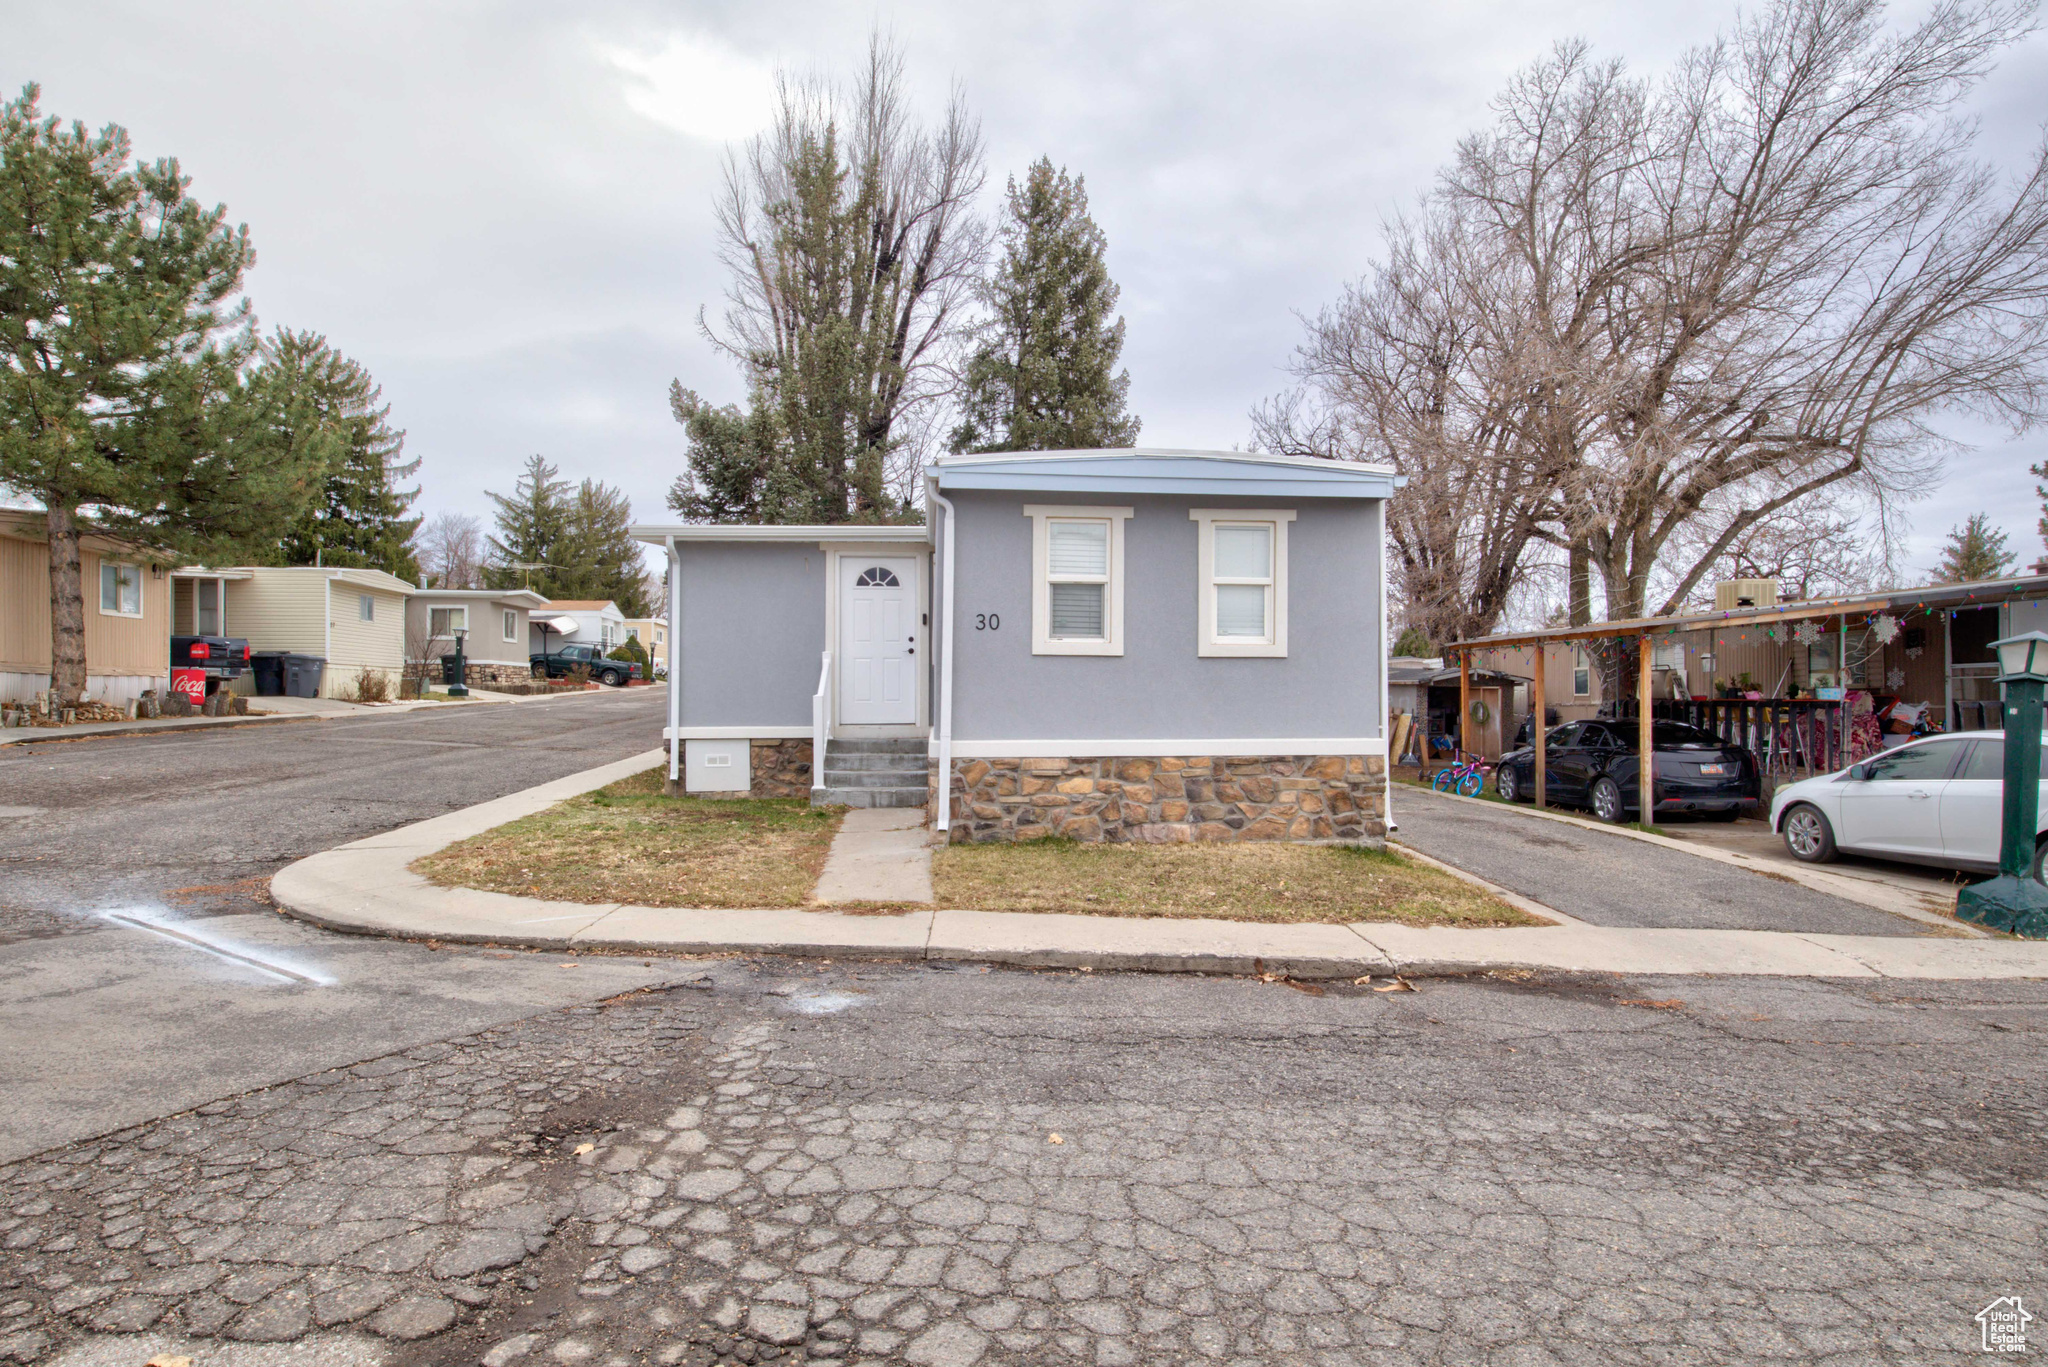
(1801, 661)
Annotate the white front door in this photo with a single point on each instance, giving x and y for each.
(877, 640)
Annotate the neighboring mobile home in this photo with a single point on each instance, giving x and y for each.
(496, 626)
(585, 621)
(353, 619)
(1105, 645)
(127, 614)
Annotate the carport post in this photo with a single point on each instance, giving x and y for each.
(1464, 704)
(1536, 716)
(675, 672)
(1646, 778)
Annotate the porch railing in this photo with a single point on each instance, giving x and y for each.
(1785, 734)
(821, 722)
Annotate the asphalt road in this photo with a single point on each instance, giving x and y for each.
(105, 1021)
(882, 1164)
(1610, 880)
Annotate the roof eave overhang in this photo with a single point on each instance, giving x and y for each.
(659, 535)
(1943, 597)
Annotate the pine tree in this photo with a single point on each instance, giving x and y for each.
(1045, 375)
(125, 406)
(578, 545)
(359, 519)
(531, 522)
(730, 455)
(597, 555)
(1974, 551)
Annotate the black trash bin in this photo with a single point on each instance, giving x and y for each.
(302, 675)
(269, 669)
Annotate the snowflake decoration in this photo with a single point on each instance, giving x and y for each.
(1884, 627)
(1895, 677)
(1913, 652)
(1807, 633)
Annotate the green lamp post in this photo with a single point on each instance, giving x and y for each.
(2013, 900)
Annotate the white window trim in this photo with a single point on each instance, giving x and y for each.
(1207, 642)
(106, 611)
(509, 624)
(1042, 640)
(453, 625)
(366, 607)
(1582, 663)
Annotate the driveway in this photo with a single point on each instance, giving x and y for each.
(1611, 880)
(142, 970)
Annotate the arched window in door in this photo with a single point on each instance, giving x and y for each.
(877, 577)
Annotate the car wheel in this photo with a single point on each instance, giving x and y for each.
(1607, 801)
(538, 671)
(1808, 835)
(2041, 862)
(1510, 791)
(611, 677)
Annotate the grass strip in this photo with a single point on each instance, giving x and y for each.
(629, 843)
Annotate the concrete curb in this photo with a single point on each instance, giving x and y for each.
(368, 888)
(31, 735)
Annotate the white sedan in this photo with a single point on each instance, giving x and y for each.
(1935, 801)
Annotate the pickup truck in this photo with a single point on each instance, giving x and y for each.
(221, 657)
(559, 663)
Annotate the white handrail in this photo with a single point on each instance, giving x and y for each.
(821, 722)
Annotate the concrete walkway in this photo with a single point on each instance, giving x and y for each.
(368, 888)
(881, 854)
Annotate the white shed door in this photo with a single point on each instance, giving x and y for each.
(877, 641)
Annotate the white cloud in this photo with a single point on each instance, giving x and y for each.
(696, 86)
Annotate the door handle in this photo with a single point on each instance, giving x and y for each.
(1919, 795)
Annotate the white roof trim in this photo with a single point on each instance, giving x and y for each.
(527, 596)
(655, 534)
(955, 462)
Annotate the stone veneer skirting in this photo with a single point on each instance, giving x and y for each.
(1171, 798)
(782, 768)
(479, 675)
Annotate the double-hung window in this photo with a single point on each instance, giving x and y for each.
(120, 589)
(511, 624)
(1077, 591)
(1582, 673)
(443, 623)
(1242, 572)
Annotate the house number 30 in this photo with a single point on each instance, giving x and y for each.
(988, 621)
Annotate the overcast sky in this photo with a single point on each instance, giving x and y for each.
(504, 209)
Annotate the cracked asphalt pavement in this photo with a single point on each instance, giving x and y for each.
(802, 1162)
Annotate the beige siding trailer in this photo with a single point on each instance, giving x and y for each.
(127, 614)
(353, 619)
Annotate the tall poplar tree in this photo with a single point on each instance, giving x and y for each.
(1045, 377)
(125, 403)
(360, 516)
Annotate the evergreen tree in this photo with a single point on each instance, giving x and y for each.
(730, 455)
(598, 556)
(125, 406)
(1045, 377)
(1413, 642)
(531, 523)
(579, 545)
(1974, 551)
(359, 519)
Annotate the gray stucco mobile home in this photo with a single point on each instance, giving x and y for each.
(1118, 645)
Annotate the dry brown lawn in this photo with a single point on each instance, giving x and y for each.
(1247, 882)
(628, 843)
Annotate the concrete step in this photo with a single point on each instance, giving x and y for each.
(868, 778)
(869, 797)
(908, 745)
(836, 759)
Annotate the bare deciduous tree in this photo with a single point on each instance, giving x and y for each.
(1652, 313)
(450, 549)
